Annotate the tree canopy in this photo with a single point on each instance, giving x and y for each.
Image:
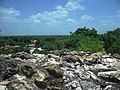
(84, 39)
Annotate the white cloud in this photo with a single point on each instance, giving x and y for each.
(54, 16)
(71, 21)
(87, 17)
(9, 11)
(73, 5)
(58, 14)
(8, 14)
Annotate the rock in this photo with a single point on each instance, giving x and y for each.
(106, 56)
(16, 86)
(74, 53)
(111, 87)
(3, 57)
(69, 75)
(111, 76)
(100, 67)
(48, 78)
(117, 56)
(89, 59)
(93, 76)
(74, 85)
(19, 78)
(41, 85)
(82, 53)
(27, 71)
(53, 56)
(116, 64)
(59, 70)
(71, 58)
(89, 85)
(32, 61)
(78, 88)
(55, 52)
(40, 79)
(40, 75)
(55, 84)
(54, 72)
(59, 52)
(22, 55)
(84, 75)
(3, 87)
(93, 58)
(19, 83)
(8, 68)
(109, 60)
(53, 61)
(39, 56)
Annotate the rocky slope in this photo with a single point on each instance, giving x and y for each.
(60, 70)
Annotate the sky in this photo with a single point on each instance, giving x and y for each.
(57, 17)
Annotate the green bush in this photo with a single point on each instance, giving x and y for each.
(112, 41)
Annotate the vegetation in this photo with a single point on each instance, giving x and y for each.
(112, 41)
(82, 39)
(85, 40)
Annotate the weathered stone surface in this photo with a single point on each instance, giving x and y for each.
(3, 87)
(111, 87)
(22, 55)
(8, 68)
(39, 56)
(116, 56)
(71, 58)
(27, 71)
(89, 85)
(112, 76)
(73, 85)
(60, 70)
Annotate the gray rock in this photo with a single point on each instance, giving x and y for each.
(89, 85)
(78, 88)
(27, 70)
(71, 58)
(69, 75)
(111, 76)
(60, 70)
(116, 56)
(22, 55)
(3, 87)
(111, 87)
(72, 85)
(8, 68)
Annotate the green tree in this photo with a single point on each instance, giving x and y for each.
(112, 41)
(86, 32)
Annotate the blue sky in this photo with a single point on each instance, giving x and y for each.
(57, 17)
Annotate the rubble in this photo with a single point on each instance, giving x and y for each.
(60, 70)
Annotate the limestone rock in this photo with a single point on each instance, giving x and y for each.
(3, 87)
(112, 76)
(60, 70)
(8, 68)
(22, 55)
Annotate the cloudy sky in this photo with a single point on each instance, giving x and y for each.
(57, 17)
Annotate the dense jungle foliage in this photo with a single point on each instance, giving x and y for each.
(83, 39)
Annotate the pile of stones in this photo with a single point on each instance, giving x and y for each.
(60, 70)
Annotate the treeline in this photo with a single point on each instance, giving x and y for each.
(111, 41)
(83, 39)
